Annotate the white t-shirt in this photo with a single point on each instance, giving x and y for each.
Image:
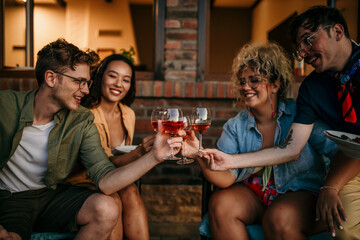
(27, 166)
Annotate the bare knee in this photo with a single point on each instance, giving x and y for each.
(101, 209)
(130, 196)
(14, 236)
(280, 218)
(220, 205)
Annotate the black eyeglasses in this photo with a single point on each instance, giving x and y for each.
(82, 82)
(307, 42)
(253, 82)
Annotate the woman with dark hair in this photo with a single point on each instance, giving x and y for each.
(109, 100)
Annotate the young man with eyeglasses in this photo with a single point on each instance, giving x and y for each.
(43, 134)
(322, 38)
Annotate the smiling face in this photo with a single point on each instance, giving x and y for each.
(66, 91)
(116, 81)
(322, 55)
(253, 97)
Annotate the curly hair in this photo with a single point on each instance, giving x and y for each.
(268, 59)
(318, 16)
(94, 97)
(60, 56)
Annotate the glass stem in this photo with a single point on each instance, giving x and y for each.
(183, 146)
(171, 153)
(200, 141)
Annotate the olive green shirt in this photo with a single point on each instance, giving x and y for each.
(74, 137)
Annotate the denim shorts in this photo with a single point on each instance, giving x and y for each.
(42, 210)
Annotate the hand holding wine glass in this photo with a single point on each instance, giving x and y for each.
(187, 128)
(171, 124)
(201, 120)
(164, 144)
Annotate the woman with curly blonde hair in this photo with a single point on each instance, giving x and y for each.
(257, 194)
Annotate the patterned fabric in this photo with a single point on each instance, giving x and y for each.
(348, 111)
(256, 184)
(345, 86)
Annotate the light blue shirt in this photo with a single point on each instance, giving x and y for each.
(240, 135)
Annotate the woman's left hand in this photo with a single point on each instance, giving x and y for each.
(147, 144)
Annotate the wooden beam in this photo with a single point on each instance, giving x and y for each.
(358, 22)
(159, 23)
(255, 4)
(2, 35)
(29, 55)
(203, 40)
(62, 3)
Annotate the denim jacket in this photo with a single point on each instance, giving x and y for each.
(240, 135)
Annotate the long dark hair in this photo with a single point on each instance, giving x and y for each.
(94, 97)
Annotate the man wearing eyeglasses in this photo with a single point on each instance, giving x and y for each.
(331, 94)
(43, 134)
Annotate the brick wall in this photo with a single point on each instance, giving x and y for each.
(218, 96)
(181, 40)
(166, 200)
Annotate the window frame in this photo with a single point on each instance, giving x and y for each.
(28, 71)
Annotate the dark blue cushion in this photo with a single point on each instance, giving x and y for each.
(255, 231)
(51, 236)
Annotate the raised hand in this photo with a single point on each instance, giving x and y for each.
(192, 146)
(218, 160)
(164, 144)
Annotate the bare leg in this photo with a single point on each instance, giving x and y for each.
(118, 232)
(134, 214)
(97, 217)
(290, 216)
(14, 236)
(4, 234)
(231, 209)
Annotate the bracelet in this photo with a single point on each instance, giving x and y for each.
(329, 187)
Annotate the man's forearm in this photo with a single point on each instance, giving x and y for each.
(342, 170)
(125, 175)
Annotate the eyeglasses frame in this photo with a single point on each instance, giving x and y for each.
(306, 41)
(89, 82)
(247, 82)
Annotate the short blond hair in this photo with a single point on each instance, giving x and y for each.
(268, 59)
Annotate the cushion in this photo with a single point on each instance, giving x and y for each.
(52, 236)
(255, 231)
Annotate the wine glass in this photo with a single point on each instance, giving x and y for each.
(158, 113)
(187, 128)
(201, 120)
(171, 124)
